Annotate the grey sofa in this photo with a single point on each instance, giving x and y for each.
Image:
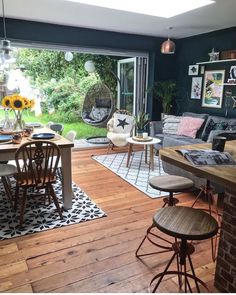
(205, 134)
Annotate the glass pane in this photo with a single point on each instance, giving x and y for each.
(127, 86)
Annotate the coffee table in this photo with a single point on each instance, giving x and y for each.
(150, 143)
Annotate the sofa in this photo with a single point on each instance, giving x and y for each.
(212, 126)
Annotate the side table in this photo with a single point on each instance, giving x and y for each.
(146, 144)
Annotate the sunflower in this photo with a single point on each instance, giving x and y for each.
(6, 102)
(27, 103)
(32, 103)
(17, 102)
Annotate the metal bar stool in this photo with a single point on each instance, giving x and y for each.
(207, 192)
(172, 184)
(183, 223)
(167, 183)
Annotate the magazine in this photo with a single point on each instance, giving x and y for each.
(207, 157)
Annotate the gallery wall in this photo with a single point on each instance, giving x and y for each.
(193, 50)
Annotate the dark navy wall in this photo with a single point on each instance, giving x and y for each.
(195, 49)
(160, 66)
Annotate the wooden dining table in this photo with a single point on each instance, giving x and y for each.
(224, 175)
(7, 152)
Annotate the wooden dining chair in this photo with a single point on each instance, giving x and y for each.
(36, 163)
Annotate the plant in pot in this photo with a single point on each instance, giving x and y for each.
(165, 91)
(141, 121)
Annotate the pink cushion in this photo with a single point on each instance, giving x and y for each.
(189, 126)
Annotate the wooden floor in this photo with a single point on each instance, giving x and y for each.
(98, 255)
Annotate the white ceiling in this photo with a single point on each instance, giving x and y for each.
(213, 17)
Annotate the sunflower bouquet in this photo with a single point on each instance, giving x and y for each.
(18, 104)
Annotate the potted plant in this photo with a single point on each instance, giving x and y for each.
(165, 91)
(141, 121)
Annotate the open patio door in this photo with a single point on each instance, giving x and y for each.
(132, 86)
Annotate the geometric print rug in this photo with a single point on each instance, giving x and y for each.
(39, 216)
(138, 172)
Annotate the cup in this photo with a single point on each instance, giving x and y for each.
(218, 143)
(27, 131)
(17, 138)
(145, 135)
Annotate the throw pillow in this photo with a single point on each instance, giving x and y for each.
(189, 126)
(123, 123)
(170, 124)
(212, 125)
(98, 114)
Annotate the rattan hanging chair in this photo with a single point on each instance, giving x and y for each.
(98, 105)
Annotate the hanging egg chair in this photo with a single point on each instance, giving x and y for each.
(98, 105)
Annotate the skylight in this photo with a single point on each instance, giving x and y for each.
(161, 8)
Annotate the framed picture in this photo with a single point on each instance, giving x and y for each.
(193, 70)
(196, 89)
(213, 89)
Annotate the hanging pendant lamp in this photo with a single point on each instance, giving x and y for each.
(168, 46)
(5, 44)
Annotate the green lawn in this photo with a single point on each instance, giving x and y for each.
(83, 130)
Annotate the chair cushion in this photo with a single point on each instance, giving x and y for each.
(189, 126)
(123, 123)
(97, 114)
(196, 115)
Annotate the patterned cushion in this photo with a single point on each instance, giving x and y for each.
(98, 113)
(170, 124)
(212, 125)
(189, 126)
(122, 123)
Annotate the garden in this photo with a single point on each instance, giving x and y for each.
(58, 85)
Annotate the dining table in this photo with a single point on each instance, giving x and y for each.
(8, 149)
(225, 176)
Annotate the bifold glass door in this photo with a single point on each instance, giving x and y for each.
(132, 74)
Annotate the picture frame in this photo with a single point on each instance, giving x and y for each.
(196, 89)
(213, 88)
(193, 70)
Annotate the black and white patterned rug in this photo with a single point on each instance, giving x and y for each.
(138, 172)
(40, 216)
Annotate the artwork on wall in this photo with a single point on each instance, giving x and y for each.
(193, 70)
(232, 75)
(213, 89)
(196, 88)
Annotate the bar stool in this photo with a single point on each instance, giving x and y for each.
(167, 183)
(172, 184)
(7, 170)
(207, 192)
(183, 223)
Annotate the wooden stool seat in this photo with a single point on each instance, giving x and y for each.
(171, 183)
(183, 223)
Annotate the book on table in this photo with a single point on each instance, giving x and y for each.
(207, 157)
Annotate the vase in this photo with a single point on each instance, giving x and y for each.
(19, 124)
(139, 132)
(7, 124)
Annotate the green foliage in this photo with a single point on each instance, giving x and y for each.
(64, 84)
(141, 120)
(165, 91)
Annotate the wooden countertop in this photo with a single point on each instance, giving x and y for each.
(223, 175)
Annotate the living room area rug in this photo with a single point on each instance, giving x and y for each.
(138, 172)
(40, 216)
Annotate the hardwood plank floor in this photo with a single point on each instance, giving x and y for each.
(99, 255)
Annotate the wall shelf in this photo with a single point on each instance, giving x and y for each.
(230, 84)
(216, 61)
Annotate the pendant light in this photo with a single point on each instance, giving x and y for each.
(68, 56)
(168, 46)
(5, 44)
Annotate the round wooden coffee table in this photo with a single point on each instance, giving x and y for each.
(150, 143)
